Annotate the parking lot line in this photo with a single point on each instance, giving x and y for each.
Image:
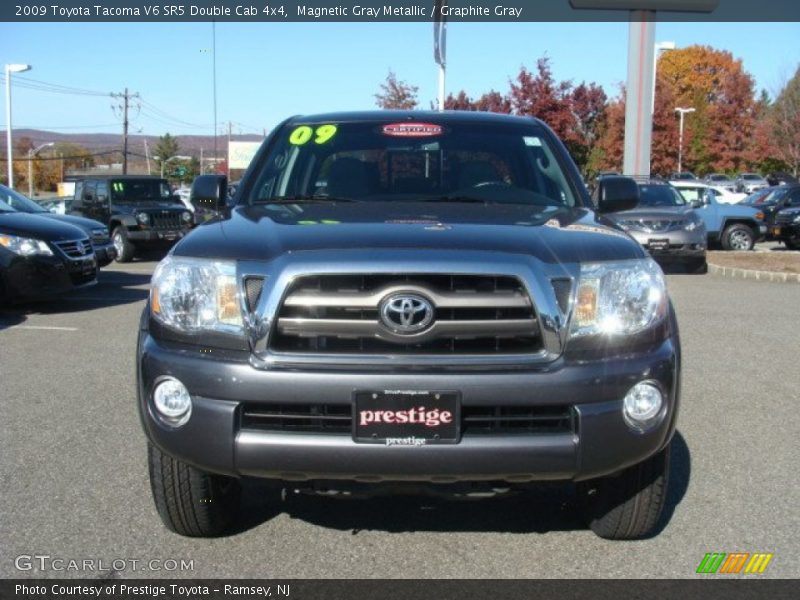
(42, 327)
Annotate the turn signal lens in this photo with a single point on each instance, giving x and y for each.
(586, 304)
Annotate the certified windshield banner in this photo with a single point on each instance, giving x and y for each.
(369, 11)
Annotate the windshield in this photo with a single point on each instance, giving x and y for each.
(412, 162)
(660, 195)
(719, 178)
(751, 176)
(15, 201)
(135, 190)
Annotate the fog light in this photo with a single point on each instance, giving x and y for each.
(173, 402)
(642, 405)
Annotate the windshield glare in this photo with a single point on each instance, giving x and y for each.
(132, 190)
(660, 195)
(407, 161)
(12, 200)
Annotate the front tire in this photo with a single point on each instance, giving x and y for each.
(125, 249)
(792, 245)
(627, 506)
(738, 237)
(191, 502)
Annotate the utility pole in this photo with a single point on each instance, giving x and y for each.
(228, 160)
(126, 98)
(147, 155)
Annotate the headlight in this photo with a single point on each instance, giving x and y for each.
(192, 295)
(143, 218)
(187, 216)
(797, 219)
(694, 222)
(25, 246)
(619, 298)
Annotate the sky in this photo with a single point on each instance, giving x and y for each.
(266, 72)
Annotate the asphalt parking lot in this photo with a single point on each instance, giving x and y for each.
(75, 478)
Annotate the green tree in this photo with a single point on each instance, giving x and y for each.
(166, 148)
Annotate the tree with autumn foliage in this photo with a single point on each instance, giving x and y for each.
(573, 112)
(783, 119)
(490, 102)
(720, 133)
(607, 153)
(396, 94)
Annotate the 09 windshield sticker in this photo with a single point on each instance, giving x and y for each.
(320, 135)
(412, 129)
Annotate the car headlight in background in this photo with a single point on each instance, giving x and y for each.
(186, 217)
(25, 246)
(693, 222)
(143, 218)
(192, 295)
(619, 298)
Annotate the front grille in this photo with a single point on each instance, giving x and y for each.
(165, 219)
(785, 218)
(475, 420)
(652, 225)
(76, 248)
(301, 418)
(472, 315)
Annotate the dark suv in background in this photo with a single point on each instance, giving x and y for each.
(141, 211)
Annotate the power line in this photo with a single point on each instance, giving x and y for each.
(154, 110)
(55, 88)
(63, 127)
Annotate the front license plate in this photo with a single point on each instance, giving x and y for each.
(658, 244)
(406, 417)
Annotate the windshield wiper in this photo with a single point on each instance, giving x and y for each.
(306, 198)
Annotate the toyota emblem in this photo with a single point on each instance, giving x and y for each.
(406, 314)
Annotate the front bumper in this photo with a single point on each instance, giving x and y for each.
(104, 253)
(38, 277)
(786, 231)
(680, 244)
(156, 237)
(221, 385)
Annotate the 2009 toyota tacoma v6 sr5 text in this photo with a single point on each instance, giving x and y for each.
(409, 298)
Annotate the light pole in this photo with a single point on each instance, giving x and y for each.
(31, 153)
(658, 48)
(681, 112)
(12, 68)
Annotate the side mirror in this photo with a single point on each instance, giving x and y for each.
(698, 203)
(615, 194)
(209, 192)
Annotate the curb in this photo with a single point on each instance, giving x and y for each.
(737, 273)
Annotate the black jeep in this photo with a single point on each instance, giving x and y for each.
(141, 211)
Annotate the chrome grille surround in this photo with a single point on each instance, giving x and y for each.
(281, 273)
(75, 248)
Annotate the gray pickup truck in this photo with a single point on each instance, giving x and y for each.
(414, 298)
